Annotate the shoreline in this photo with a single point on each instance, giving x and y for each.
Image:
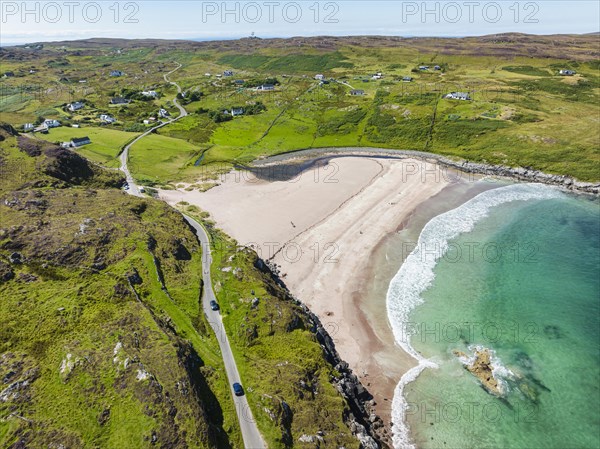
(363, 339)
(526, 174)
(358, 214)
(383, 265)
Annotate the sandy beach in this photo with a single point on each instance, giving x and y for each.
(321, 228)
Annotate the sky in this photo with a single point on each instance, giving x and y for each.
(24, 22)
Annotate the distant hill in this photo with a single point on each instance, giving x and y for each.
(580, 47)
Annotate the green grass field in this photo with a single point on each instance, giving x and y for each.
(160, 159)
(106, 142)
(522, 113)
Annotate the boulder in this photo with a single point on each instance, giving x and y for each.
(481, 368)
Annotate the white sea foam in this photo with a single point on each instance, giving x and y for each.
(416, 275)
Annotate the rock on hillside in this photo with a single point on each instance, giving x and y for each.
(68, 166)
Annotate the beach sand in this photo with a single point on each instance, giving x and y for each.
(322, 228)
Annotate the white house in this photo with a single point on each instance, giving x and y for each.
(567, 72)
(266, 87)
(163, 113)
(75, 106)
(234, 112)
(319, 77)
(116, 73)
(28, 127)
(150, 93)
(207, 74)
(228, 73)
(51, 123)
(105, 118)
(458, 96)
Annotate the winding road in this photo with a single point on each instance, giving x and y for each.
(133, 189)
(250, 434)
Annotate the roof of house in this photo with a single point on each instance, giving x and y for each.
(460, 95)
(76, 140)
(357, 92)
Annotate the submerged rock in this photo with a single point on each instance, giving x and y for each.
(481, 367)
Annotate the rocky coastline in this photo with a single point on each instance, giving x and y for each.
(522, 174)
(361, 419)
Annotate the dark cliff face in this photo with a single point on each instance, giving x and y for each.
(359, 416)
(65, 165)
(6, 131)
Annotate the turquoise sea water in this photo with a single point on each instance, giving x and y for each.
(517, 271)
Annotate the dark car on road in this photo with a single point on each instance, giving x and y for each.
(214, 305)
(237, 389)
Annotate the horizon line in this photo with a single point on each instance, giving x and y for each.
(234, 38)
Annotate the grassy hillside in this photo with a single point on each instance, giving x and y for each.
(103, 342)
(522, 113)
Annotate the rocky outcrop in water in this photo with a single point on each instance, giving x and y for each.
(481, 367)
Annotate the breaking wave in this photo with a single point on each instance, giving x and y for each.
(417, 274)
